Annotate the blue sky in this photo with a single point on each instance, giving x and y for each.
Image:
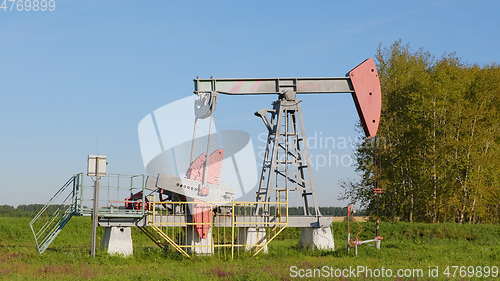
(78, 80)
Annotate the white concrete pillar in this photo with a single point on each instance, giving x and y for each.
(252, 237)
(319, 238)
(118, 241)
(201, 246)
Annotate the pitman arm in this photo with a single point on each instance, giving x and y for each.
(362, 82)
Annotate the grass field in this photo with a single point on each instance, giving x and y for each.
(406, 246)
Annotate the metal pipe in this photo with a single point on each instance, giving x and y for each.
(94, 212)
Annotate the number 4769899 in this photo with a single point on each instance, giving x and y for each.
(28, 5)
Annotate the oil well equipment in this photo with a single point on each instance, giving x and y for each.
(194, 214)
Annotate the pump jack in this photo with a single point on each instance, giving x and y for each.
(286, 164)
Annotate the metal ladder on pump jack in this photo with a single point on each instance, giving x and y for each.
(283, 155)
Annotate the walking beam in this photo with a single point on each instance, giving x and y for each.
(362, 82)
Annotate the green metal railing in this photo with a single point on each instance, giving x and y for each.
(53, 216)
(114, 189)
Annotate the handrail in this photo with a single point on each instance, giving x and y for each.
(47, 222)
(40, 212)
(271, 225)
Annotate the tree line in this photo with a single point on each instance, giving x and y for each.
(326, 211)
(22, 210)
(436, 155)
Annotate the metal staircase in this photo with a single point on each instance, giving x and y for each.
(53, 216)
(162, 239)
(154, 236)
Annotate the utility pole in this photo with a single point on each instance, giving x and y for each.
(96, 166)
(95, 215)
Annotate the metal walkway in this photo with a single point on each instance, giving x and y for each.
(158, 219)
(74, 199)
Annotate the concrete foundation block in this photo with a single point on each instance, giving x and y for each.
(118, 241)
(201, 246)
(319, 238)
(252, 237)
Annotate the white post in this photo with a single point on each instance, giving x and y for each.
(320, 238)
(252, 237)
(118, 241)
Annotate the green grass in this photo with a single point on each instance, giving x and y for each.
(405, 246)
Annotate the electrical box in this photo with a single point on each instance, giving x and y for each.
(96, 165)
